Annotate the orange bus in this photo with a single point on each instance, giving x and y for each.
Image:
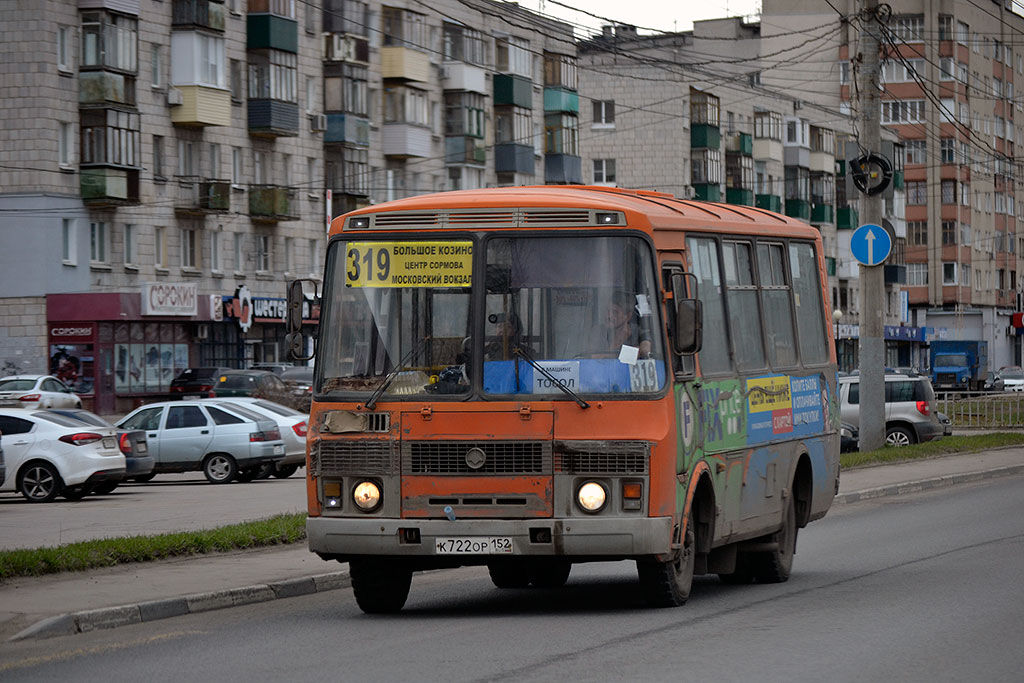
(531, 377)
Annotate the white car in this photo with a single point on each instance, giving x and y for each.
(47, 455)
(226, 441)
(36, 391)
(293, 426)
(1013, 380)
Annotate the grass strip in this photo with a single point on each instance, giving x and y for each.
(107, 552)
(949, 445)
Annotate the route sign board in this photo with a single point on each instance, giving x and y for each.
(870, 244)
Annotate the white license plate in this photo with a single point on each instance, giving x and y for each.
(9, 404)
(141, 447)
(473, 545)
(109, 442)
(279, 449)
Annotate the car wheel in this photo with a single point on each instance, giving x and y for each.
(668, 584)
(219, 468)
(39, 482)
(265, 470)
(285, 471)
(104, 488)
(247, 474)
(380, 586)
(75, 492)
(143, 478)
(898, 436)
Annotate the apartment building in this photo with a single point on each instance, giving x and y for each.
(166, 166)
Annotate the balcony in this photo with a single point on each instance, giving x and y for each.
(109, 187)
(512, 158)
(563, 169)
(766, 149)
(739, 196)
(405, 140)
(462, 76)
(105, 87)
(270, 204)
(561, 100)
(705, 136)
(740, 143)
(201, 196)
(273, 118)
(271, 32)
(463, 149)
(822, 162)
(347, 128)
(405, 64)
(707, 192)
(895, 274)
(798, 208)
(198, 14)
(202, 106)
(514, 90)
(821, 213)
(768, 202)
(847, 218)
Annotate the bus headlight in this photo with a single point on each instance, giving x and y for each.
(366, 496)
(591, 496)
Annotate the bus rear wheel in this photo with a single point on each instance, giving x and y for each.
(774, 566)
(668, 584)
(380, 587)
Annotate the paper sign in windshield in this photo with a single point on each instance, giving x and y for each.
(409, 264)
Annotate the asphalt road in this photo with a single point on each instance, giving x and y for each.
(914, 588)
(170, 502)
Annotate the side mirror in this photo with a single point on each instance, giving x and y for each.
(688, 335)
(294, 340)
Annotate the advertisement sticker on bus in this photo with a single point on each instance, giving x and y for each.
(409, 264)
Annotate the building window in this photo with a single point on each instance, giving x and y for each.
(512, 56)
(357, 171)
(768, 125)
(346, 89)
(917, 233)
(110, 137)
(314, 257)
(917, 274)
(844, 72)
(64, 48)
(236, 166)
(917, 192)
(158, 157)
(513, 125)
(902, 111)
(604, 171)
(464, 114)
(282, 8)
(156, 65)
(706, 167)
(963, 32)
(160, 247)
(704, 108)
(948, 233)
(739, 172)
(289, 255)
(561, 134)
(236, 81)
(406, 105)
(965, 275)
(948, 149)
(64, 145)
(262, 253)
(130, 248)
(914, 151)
(272, 76)
(902, 71)
(403, 28)
(237, 253)
(908, 28)
(949, 192)
(798, 183)
(98, 242)
(186, 162)
(464, 44)
(560, 71)
(215, 264)
(189, 248)
(948, 273)
(109, 40)
(69, 242)
(604, 113)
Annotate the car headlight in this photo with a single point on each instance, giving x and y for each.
(366, 496)
(591, 496)
(846, 432)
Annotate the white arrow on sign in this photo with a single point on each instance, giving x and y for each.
(870, 239)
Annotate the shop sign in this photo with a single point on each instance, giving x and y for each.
(216, 308)
(239, 307)
(72, 331)
(169, 299)
(266, 309)
(903, 333)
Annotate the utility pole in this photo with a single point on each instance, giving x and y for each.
(872, 278)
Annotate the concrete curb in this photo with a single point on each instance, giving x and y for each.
(926, 484)
(123, 615)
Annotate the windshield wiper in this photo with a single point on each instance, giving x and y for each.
(517, 351)
(372, 401)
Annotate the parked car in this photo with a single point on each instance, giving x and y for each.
(947, 424)
(1012, 379)
(909, 408)
(255, 383)
(300, 382)
(225, 441)
(292, 424)
(137, 460)
(36, 391)
(276, 368)
(3, 465)
(47, 455)
(196, 381)
(849, 438)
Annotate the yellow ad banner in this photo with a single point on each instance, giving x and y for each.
(409, 264)
(769, 393)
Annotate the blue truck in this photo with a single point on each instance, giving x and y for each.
(959, 365)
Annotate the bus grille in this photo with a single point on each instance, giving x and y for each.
(581, 457)
(335, 458)
(500, 457)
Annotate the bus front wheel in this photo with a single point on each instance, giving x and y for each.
(380, 587)
(667, 584)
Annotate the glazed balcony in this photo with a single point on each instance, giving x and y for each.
(201, 196)
(109, 187)
(271, 203)
(205, 14)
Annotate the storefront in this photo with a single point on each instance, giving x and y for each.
(904, 347)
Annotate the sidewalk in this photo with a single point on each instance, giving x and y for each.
(63, 604)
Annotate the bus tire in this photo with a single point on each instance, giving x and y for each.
(668, 584)
(774, 566)
(380, 586)
(510, 574)
(741, 575)
(551, 574)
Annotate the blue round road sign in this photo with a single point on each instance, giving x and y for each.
(870, 244)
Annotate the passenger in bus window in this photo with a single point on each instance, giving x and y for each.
(619, 328)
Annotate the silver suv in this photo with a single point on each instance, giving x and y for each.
(909, 408)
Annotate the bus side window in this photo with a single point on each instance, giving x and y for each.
(714, 354)
(777, 305)
(810, 315)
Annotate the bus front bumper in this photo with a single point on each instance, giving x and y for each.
(593, 537)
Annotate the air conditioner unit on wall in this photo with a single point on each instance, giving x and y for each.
(175, 97)
(318, 122)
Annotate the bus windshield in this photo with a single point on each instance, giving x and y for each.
(398, 315)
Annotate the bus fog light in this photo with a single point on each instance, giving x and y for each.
(366, 496)
(334, 503)
(591, 496)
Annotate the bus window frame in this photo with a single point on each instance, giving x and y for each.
(787, 276)
(669, 269)
(756, 288)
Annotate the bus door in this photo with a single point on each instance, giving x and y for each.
(484, 463)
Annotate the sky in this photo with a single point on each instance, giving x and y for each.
(663, 15)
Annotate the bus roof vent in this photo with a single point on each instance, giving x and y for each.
(401, 219)
(496, 218)
(538, 217)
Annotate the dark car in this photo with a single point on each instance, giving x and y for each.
(253, 383)
(196, 381)
(138, 463)
(848, 438)
(300, 382)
